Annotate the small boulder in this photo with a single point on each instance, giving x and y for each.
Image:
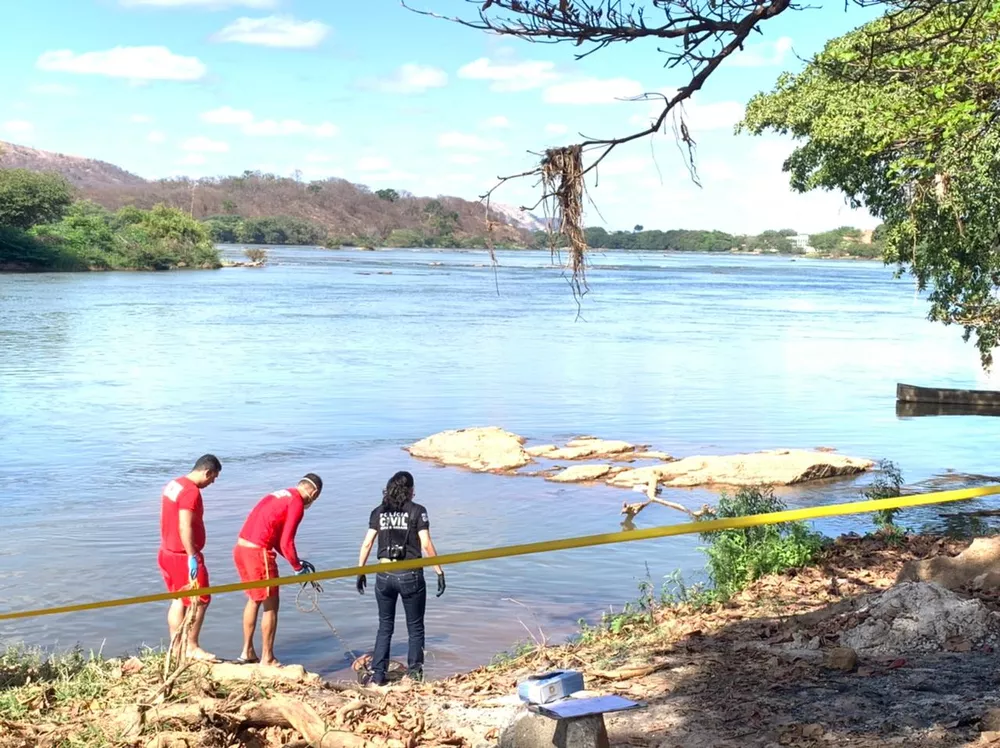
(529, 730)
(542, 450)
(990, 721)
(841, 658)
(579, 449)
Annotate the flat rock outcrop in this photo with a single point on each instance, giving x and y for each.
(486, 450)
(583, 473)
(782, 467)
(492, 449)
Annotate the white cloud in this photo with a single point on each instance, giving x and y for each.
(464, 159)
(518, 76)
(764, 54)
(140, 119)
(463, 141)
(211, 4)
(250, 125)
(410, 78)
(53, 89)
(274, 31)
(193, 159)
(18, 127)
(592, 91)
(373, 163)
(156, 137)
(554, 129)
(496, 123)
(133, 63)
(201, 144)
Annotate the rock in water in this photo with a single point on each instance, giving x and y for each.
(782, 467)
(485, 450)
(581, 473)
(918, 617)
(591, 447)
(976, 566)
(528, 730)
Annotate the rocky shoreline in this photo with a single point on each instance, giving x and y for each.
(847, 651)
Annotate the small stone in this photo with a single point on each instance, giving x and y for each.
(813, 731)
(529, 730)
(990, 721)
(844, 659)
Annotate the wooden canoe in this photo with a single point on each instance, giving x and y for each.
(908, 393)
(917, 410)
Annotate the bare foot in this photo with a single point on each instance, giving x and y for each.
(270, 663)
(200, 655)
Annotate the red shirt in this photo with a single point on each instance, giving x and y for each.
(273, 523)
(181, 493)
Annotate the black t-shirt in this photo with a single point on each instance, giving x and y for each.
(399, 528)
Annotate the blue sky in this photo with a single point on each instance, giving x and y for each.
(381, 96)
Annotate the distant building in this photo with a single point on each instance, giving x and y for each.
(802, 242)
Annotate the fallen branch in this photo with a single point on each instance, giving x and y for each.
(304, 719)
(627, 673)
(631, 510)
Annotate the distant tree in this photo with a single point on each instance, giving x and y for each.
(638, 227)
(29, 198)
(228, 206)
(389, 195)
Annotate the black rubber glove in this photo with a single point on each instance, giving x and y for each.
(441, 584)
(362, 582)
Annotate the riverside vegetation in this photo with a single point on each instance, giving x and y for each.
(42, 227)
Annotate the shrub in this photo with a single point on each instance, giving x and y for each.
(737, 557)
(887, 484)
(255, 254)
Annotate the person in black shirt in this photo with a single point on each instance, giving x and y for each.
(403, 532)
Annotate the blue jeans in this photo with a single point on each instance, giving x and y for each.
(410, 586)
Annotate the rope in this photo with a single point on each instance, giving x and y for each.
(307, 601)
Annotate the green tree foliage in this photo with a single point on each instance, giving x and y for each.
(90, 237)
(901, 116)
(29, 198)
(278, 230)
(389, 195)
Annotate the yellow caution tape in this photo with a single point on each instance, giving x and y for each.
(545, 546)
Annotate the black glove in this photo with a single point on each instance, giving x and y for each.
(362, 581)
(440, 584)
(307, 568)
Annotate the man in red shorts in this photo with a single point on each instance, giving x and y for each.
(271, 527)
(182, 539)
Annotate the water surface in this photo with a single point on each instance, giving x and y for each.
(112, 383)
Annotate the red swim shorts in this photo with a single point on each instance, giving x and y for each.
(255, 565)
(174, 568)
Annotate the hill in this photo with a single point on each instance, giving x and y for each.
(82, 173)
(342, 210)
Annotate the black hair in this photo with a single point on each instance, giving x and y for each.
(398, 490)
(208, 463)
(314, 479)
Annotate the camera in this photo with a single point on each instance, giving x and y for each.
(396, 552)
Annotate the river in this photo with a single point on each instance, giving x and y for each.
(112, 383)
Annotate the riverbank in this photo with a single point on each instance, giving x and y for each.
(765, 668)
